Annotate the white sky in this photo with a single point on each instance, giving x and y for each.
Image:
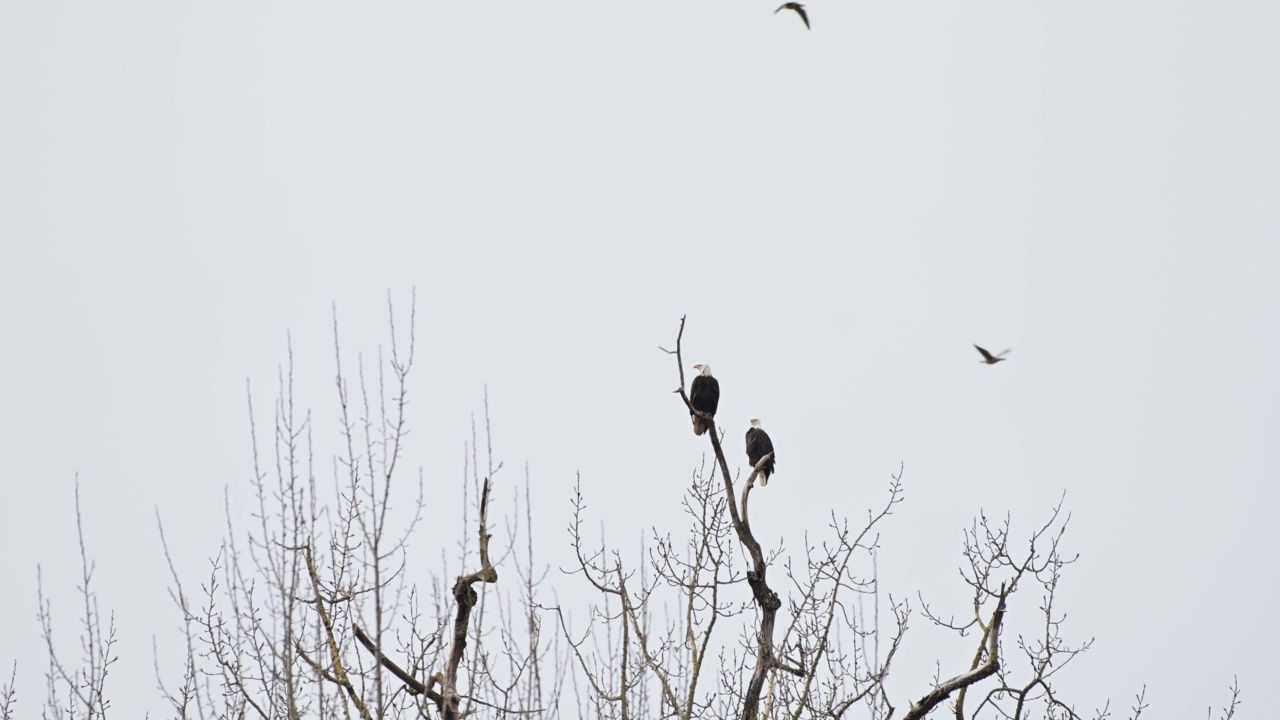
(840, 212)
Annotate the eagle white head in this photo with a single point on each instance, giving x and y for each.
(703, 369)
(755, 422)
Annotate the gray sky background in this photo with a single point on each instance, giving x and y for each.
(840, 212)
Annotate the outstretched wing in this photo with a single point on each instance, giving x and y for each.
(986, 355)
(799, 11)
(803, 16)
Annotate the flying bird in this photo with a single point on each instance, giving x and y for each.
(704, 395)
(990, 359)
(759, 445)
(803, 16)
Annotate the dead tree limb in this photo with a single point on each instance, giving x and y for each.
(466, 596)
(765, 598)
(412, 684)
(991, 638)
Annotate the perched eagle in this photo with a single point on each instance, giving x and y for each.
(704, 395)
(759, 445)
(990, 359)
(799, 10)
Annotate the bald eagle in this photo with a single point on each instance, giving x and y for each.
(990, 359)
(759, 445)
(704, 395)
(799, 9)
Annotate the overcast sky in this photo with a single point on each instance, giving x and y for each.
(841, 213)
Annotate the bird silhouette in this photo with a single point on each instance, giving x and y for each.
(799, 11)
(988, 358)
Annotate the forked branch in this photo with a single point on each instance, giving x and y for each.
(766, 599)
(466, 597)
(991, 638)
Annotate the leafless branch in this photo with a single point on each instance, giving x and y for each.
(414, 686)
(84, 686)
(1229, 711)
(766, 599)
(466, 597)
(991, 640)
(9, 694)
(339, 674)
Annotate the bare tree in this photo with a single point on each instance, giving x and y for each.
(310, 610)
(841, 681)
